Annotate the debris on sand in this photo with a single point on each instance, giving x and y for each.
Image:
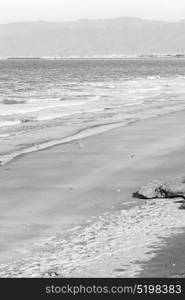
(159, 189)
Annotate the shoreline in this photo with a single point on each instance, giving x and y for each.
(170, 258)
(79, 253)
(78, 135)
(102, 176)
(75, 134)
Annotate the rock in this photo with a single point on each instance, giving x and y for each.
(51, 274)
(182, 206)
(149, 191)
(158, 189)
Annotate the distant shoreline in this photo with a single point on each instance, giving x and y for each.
(113, 57)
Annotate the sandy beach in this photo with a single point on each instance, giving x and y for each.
(68, 210)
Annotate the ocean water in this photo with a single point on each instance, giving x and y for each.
(36, 94)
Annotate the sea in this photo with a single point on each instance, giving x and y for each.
(38, 94)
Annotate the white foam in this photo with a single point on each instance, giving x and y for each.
(154, 77)
(35, 108)
(9, 123)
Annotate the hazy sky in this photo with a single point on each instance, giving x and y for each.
(62, 10)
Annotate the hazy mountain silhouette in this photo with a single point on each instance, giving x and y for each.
(92, 37)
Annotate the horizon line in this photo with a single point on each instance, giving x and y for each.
(91, 19)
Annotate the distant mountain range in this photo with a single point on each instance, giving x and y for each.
(92, 37)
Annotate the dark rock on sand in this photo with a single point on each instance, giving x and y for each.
(182, 206)
(159, 189)
(50, 274)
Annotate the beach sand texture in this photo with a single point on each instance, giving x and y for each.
(68, 210)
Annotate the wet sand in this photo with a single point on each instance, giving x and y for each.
(47, 193)
(169, 260)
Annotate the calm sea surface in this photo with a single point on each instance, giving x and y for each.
(34, 93)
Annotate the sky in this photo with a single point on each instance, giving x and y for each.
(70, 10)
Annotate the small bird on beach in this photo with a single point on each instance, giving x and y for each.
(79, 145)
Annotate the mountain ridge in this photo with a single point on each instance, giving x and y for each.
(119, 36)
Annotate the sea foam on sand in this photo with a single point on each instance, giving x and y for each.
(115, 245)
